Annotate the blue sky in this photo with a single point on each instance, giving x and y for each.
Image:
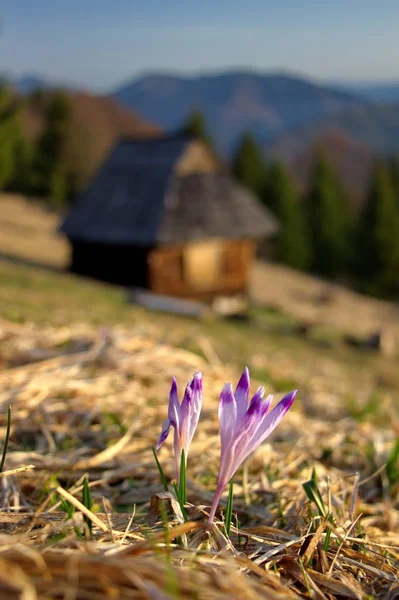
(100, 43)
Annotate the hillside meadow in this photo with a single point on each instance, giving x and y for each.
(29, 234)
(87, 377)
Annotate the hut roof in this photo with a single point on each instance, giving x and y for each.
(136, 198)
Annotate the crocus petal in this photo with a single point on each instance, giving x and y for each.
(241, 393)
(266, 403)
(227, 415)
(249, 426)
(256, 399)
(269, 423)
(196, 405)
(186, 402)
(228, 430)
(174, 405)
(260, 406)
(164, 433)
(227, 468)
(255, 414)
(185, 417)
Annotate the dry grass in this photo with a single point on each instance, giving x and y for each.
(28, 231)
(88, 401)
(313, 300)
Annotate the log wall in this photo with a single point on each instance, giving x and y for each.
(168, 273)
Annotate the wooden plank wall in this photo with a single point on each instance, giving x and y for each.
(166, 271)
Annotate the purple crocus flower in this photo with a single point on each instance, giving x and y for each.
(243, 428)
(182, 417)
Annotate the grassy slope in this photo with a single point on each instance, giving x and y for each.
(277, 359)
(48, 297)
(29, 233)
(69, 413)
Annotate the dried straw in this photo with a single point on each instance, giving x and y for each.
(97, 413)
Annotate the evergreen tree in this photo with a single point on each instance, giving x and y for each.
(280, 196)
(22, 176)
(393, 165)
(377, 250)
(9, 136)
(329, 221)
(249, 165)
(48, 171)
(195, 126)
(58, 186)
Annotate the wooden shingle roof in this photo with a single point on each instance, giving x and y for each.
(136, 198)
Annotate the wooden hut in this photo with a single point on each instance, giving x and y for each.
(163, 215)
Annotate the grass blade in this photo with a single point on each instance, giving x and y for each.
(306, 578)
(314, 496)
(312, 492)
(161, 473)
(68, 508)
(182, 507)
(326, 544)
(3, 458)
(87, 502)
(314, 475)
(229, 509)
(183, 482)
(392, 467)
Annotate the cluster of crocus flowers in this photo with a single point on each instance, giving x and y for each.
(243, 425)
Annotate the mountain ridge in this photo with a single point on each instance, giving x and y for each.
(292, 117)
(379, 91)
(234, 101)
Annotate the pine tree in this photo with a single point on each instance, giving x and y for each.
(280, 196)
(377, 250)
(22, 174)
(58, 186)
(9, 136)
(195, 126)
(47, 166)
(328, 217)
(393, 166)
(249, 165)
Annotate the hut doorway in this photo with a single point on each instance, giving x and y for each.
(121, 264)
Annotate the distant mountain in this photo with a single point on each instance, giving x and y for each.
(269, 105)
(375, 126)
(382, 93)
(26, 84)
(29, 83)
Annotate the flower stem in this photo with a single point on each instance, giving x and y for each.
(215, 503)
(182, 479)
